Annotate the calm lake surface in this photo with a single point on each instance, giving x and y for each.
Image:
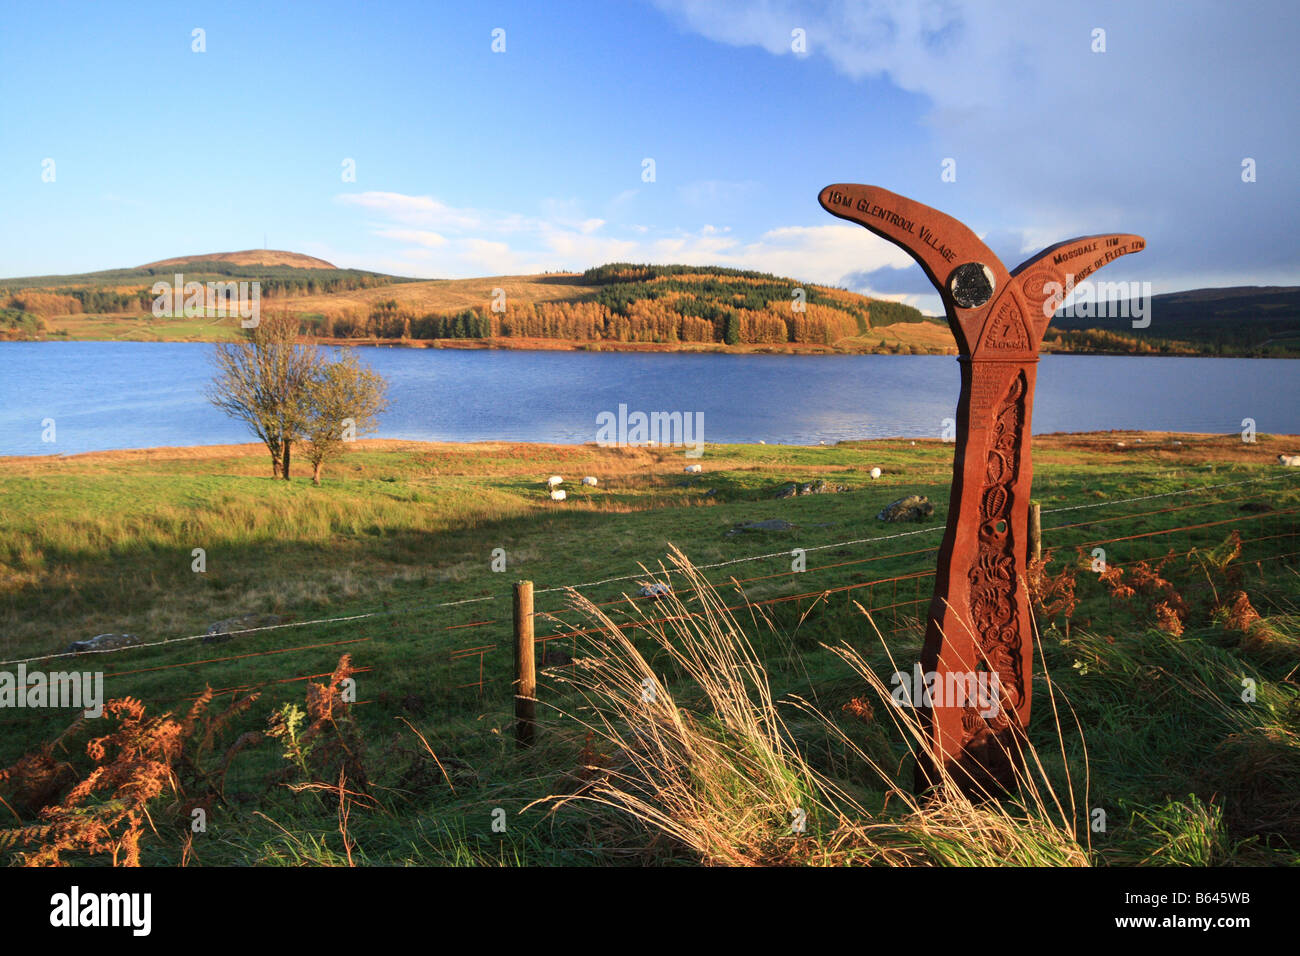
(105, 395)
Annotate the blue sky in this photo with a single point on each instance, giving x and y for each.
(471, 162)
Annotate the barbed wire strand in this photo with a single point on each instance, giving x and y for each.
(615, 579)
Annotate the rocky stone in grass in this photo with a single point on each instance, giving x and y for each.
(102, 642)
(909, 508)
(773, 524)
(658, 589)
(819, 487)
(225, 630)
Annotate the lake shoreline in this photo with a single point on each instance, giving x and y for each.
(689, 348)
(1119, 440)
(100, 396)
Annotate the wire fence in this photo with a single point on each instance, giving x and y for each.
(908, 609)
(902, 595)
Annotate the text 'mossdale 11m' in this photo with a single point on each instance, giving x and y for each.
(980, 619)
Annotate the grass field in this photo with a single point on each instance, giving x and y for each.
(1184, 769)
(451, 295)
(142, 328)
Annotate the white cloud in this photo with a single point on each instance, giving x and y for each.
(1146, 137)
(418, 210)
(824, 254)
(587, 250)
(487, 252)
(421, 237)
(475, 242)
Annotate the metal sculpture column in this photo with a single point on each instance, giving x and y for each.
(979, 621)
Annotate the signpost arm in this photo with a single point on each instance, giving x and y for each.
(979, 632)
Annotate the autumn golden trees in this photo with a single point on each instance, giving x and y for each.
(645, 304)
(667, 319)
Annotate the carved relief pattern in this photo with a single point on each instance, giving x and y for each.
(1035, 290)
(992, 577)
(1007, 330)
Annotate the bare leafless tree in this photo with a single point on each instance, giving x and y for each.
(262, 380)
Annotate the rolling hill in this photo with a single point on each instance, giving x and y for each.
(615, 306)
(621, 305)
(1229, 321)
(249, 257)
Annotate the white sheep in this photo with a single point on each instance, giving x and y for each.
(693, 469)
(1290, 461)
(559, 494)
(554, 481)
(875, 472)
(589, 481)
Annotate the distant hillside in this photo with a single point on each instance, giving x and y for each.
(619, 305)
(1241, 320)
(423, 296)
(299, 271)
(616, 305)
(117, 303)
(249, 257)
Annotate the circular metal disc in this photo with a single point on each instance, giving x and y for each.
(971, 285)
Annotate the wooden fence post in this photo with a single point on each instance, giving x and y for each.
(525, 666)
(1035, 531)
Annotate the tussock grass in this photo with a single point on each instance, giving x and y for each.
(715, 767)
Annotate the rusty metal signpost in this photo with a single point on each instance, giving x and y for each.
(979, 627)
